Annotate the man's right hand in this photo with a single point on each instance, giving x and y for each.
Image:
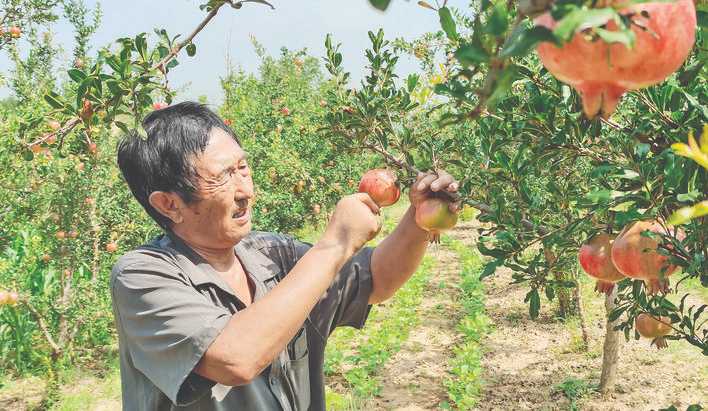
(354, 222)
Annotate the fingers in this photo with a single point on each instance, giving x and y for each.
(436, 182)
(424, 183)
(364, 198)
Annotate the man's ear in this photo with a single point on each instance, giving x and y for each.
(167, 204)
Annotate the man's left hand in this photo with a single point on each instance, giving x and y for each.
(428, 183)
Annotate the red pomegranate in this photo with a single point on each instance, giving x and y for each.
(653, 327)
(434, 215)
(635, 255)
(602, 73)
(159, 105)
(594, 257)
(381, 185)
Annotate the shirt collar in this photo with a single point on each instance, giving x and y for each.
(257, 265)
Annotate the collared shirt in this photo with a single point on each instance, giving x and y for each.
(169, 305)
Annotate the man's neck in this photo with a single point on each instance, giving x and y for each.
(222, 259)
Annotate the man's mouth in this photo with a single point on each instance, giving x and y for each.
(242, 209)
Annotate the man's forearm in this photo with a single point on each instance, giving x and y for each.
(397, 257)
(254, 336)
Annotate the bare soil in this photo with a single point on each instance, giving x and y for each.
(527, 360)
(413, 377)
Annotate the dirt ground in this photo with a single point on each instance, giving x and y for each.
(528, 363)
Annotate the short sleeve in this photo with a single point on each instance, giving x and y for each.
(168, 325)
(346, 301)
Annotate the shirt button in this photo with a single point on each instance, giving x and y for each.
(273, 381)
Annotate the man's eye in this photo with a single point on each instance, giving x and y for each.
(243, 166)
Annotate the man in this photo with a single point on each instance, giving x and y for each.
(213, 316)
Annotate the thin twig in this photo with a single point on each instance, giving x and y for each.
(42, 326)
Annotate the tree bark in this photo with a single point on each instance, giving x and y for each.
(581, 314)
(610, 348)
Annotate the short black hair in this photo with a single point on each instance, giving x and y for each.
(163, 160)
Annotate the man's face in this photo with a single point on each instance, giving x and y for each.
(221, 214)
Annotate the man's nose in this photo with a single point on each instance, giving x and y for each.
(244, 185)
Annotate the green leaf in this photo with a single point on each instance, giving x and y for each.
(550, 292)
(534, 301)
(471, 54)
(380, 4)
(490, 268)
(499, 20)
(626, 37)
(77, 75)
(525, 40)
(191, 49)
(448, 23)
(54, 100)
(686, 214)
(503, 85)
(412, 82)
(582, 18)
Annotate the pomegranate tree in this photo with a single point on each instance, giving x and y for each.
(649, 326)
(434, 216)
(381, 185)
(601, 72)
(595, 258)
(635, 255)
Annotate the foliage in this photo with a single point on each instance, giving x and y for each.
(544, 177)
(464, 387)
(277, 116)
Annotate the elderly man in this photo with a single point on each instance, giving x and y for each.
(213, 316)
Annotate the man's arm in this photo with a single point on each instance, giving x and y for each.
(398, 256)
(254, 336)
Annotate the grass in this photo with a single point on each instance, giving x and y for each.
(464, 388)
(574, 389)
(359, 356)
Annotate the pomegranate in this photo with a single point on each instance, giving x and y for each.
(60, 235)
(51, 139)
(227, 122)
(594, 257)
(92, 148)
(381, 185)
(46, 258)
(635, 256)
(159, 105)
(323, 103)
(86, 110)
(111, 247)
(36, 148)
(602, 73)
(434, 215)
(12, 298)
(54, 125)
(15, 32)
(73, 234)
(653, 327)
(285, 111)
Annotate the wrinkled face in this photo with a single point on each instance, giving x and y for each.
(221, 214)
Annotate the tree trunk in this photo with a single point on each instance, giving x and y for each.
(581, 314)
(611, 347)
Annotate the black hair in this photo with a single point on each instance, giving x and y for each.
(164, 160)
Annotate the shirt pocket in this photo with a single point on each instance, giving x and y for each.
(297, 370)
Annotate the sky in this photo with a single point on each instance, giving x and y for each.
(294, 24)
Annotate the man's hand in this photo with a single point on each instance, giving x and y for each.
(428, 183)
(354, 222)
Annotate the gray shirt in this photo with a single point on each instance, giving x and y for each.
(169, 305)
